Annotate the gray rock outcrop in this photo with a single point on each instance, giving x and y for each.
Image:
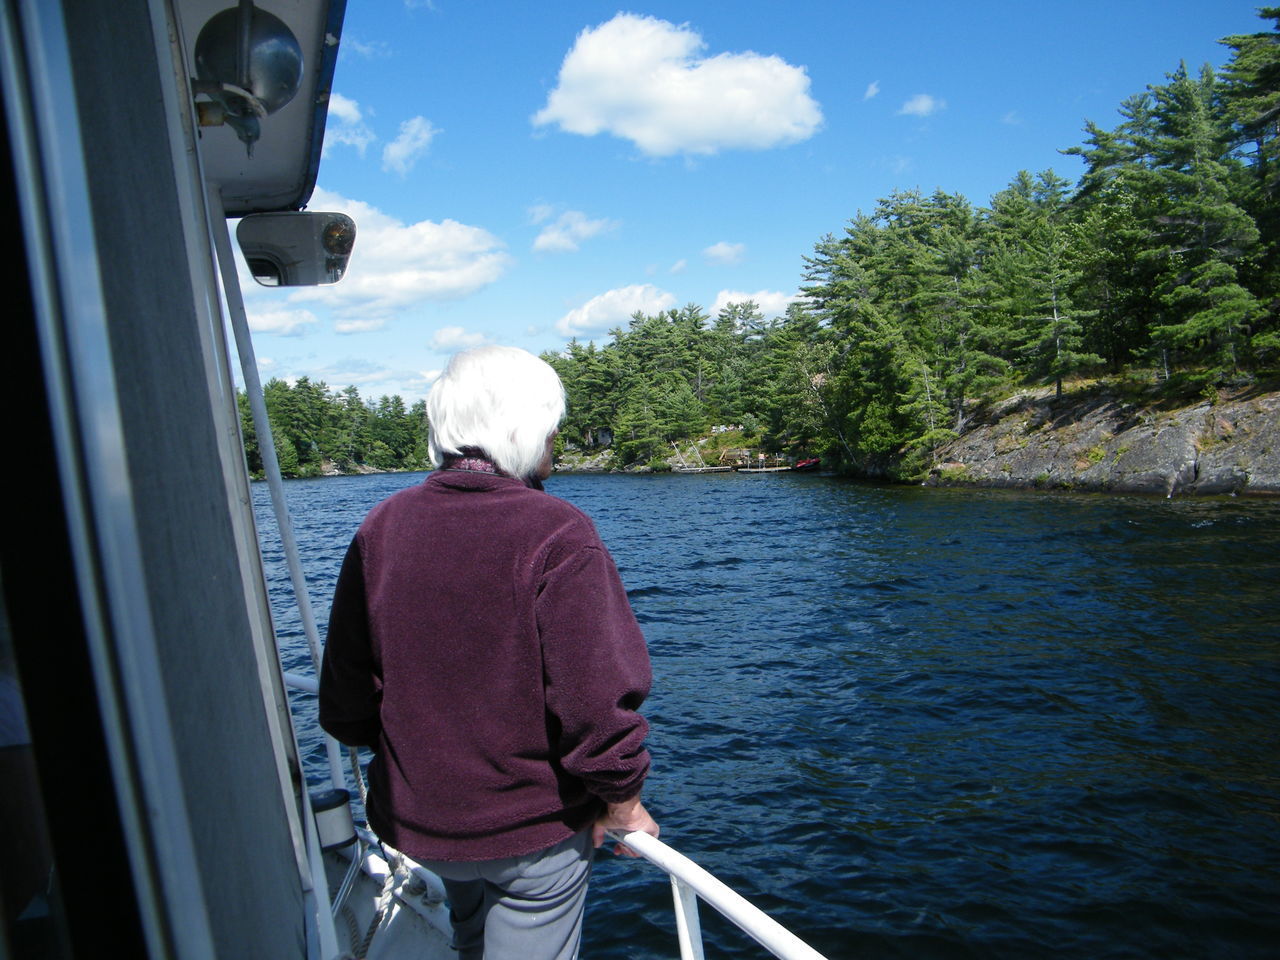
(1100, 442)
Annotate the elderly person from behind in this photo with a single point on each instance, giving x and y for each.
(481, 643)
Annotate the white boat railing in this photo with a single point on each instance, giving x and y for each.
(300, 681)
(690, 881)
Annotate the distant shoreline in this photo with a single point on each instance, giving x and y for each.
(1094, 440)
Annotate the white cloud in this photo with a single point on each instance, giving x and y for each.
(679, 266)
(396, 266)
(355, 373)
(451, 339)
(541, 213)
(344, 109)
(725, 253)
(922, 105)
(570, 229)
(772, 303)
(283, 323)
(872, 89)
(359, 324)
(896, 163)
(614, 308)
(644, 80)
(371, 50)
(345, 125)
(403, 152)
(416, 385)
(1012, 118)
(373, 380)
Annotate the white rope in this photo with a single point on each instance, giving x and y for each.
(382, 912)
(353, 931)
(361, 788)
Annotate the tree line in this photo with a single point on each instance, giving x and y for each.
(1164, 256)
(314, 428)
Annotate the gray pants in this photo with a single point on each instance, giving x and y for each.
(527, 907)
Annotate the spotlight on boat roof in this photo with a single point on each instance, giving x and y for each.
(249, 63)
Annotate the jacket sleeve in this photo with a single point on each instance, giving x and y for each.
(596, 670)
(350, 688)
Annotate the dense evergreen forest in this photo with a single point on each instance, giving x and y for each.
(1162, 262)
(314, 427)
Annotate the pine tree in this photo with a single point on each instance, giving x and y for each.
(248, 434)
(1032, 271)
(1252, 101)
(1204, 231)
(1117, 281)
(857, 363)
(1169, 167)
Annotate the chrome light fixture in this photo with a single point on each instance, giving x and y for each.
(249, 64)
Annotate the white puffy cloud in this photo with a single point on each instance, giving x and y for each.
(403, 152)
(451, 339)
(644, 80)
(283, 323)
(614, 308)
(772, 303)
(872, 89)
(344, 109)
(922, 105)
(396, 266)
(725, 252)
(345, 125)
(569, 229)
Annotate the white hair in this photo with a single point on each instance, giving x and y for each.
(503, 401)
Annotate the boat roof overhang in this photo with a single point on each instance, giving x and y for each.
(280, 174)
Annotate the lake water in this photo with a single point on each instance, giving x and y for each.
(932, 723)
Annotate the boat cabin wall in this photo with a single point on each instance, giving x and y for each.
(150, 419)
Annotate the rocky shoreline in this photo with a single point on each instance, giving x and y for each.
(1095, 440)
(1099, 441)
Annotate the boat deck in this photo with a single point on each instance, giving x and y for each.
(416, 921)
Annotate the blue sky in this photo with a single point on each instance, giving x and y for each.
(522, 173)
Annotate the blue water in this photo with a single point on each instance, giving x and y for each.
(933, 723)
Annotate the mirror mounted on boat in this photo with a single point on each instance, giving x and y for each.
(249, 64)
(296, 249)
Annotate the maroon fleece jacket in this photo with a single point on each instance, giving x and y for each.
(482, 644)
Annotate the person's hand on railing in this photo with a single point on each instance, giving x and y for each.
(624, 817)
